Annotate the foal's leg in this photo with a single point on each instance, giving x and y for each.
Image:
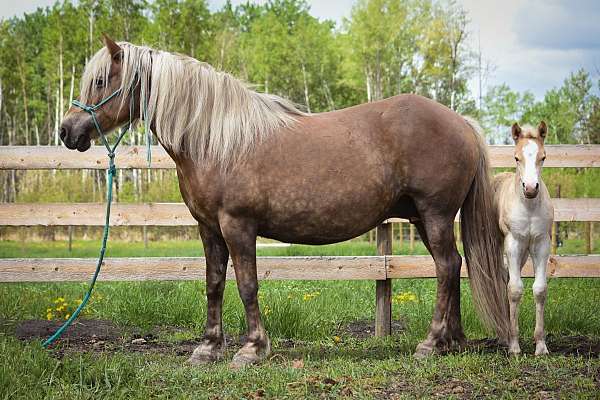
(213, 343)
(445, 326)
(240, 236)
(516, 254)
(540, 253)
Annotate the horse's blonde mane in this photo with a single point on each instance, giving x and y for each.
(207, 114)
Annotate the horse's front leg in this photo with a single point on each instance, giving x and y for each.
(213, 343)
(516, 254)
(540, 254)
(240, 236)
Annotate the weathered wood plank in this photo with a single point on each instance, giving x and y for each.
(92, 214)
(59, 157)
(383, 288)
(275, 268)
(559, 266)
(187, 268)
(177, 214)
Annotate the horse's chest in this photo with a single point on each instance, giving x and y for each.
(527, 224)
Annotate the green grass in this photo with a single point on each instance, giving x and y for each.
(185, 248)
(193, 248)
(331, 367)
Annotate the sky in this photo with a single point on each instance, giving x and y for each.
(531, 44)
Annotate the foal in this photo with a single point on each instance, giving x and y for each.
(526, 215)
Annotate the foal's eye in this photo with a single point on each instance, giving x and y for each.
(99, 82)
(517, 159)
(543, 158)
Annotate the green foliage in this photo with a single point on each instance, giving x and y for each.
(571, 111)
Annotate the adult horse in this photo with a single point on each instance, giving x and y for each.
(251, 164)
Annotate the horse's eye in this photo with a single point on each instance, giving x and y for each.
(517, 159)
(99, 82)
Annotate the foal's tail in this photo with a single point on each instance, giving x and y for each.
(482, 241)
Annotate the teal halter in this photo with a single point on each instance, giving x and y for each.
(91, 109)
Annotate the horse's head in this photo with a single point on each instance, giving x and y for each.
(530, 156)
(102, 80)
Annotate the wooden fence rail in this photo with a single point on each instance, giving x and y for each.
(379, 268)
(382, 268)
(177, 214)
(59, 157)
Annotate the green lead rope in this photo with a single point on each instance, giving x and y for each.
(110, 172)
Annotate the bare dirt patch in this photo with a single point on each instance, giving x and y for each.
(366, 328)
(103, 335)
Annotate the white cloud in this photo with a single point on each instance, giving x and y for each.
(528, 43)
(11, 8)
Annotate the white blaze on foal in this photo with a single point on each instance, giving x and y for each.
(526, 216)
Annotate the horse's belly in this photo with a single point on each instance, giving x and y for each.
(319, 216)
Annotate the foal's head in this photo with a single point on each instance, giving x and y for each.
(101, 78)
(530, 156)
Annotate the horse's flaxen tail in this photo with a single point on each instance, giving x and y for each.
(482, 241)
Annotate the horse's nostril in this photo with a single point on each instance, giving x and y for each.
(537, 186)
(63, 134)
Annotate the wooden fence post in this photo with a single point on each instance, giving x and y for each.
(70, 230)
(145, 236)
(400, 235)
(556, 227)
(411, 238)
(591, 237)
(383, 288)
(588, 237)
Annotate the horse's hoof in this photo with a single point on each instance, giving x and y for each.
(423, 350)
(541, 349)
(206, 354)
(250, 354)
(514, 350)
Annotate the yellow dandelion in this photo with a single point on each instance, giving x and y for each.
(67, 316)
(337, 339)
(49, 316)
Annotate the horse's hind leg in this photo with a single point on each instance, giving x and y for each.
(240, 236)
(445, 329)
(540, 254)
(213, 343)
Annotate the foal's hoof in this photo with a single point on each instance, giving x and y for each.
(541, 349)
(206, 353)
(424, 349)
(250, 354)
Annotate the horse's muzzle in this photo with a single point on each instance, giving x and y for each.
(73, 141)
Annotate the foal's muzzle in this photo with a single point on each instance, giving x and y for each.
(531, 191)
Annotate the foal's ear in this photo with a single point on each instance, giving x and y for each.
(516, 131)
(542, 129)
(113, 48)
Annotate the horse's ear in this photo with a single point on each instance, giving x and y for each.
(542, 129)
(113, 48)
(516, 131)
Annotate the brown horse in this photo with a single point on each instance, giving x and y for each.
(251, 164)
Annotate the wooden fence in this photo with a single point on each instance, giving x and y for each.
(382, 268)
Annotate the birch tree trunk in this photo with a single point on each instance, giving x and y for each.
(306, 96)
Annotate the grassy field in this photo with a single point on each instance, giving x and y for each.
(320, 331)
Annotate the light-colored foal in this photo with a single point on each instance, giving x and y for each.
(526, 216)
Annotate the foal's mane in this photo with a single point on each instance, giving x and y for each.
(207, 114)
